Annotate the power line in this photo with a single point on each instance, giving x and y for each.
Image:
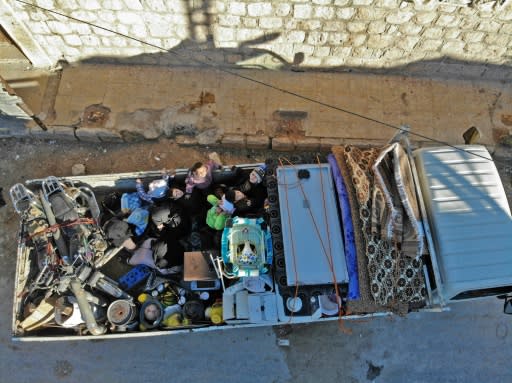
(259, 82)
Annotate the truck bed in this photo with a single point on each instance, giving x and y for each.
(355, 234)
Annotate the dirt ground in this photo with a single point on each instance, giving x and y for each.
(29, 158)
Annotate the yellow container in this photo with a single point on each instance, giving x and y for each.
(143, 297)
(173, 320)
(215, 313)
(186, 322)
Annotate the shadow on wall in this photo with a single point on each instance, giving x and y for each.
(198, 121)
(248, 56)
(189, 53)
(200, 50)
(205, 54)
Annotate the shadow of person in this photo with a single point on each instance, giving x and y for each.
(190, 52)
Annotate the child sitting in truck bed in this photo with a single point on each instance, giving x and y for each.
(200, 175)
(250, 194)
(158, 189)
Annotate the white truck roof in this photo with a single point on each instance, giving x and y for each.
(469, 218)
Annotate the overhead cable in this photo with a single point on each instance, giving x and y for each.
(256, 81)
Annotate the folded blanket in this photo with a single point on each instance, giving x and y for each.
(394, 195)
(355, 170)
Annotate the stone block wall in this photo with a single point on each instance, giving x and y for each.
(277, 34)
(314, 48)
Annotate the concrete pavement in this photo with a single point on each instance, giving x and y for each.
(472, 343)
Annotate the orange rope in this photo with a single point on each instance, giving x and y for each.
(328, 256)
(331, 262)
(296, 293)
(54, 228)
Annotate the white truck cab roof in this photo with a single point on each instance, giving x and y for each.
(469, 217)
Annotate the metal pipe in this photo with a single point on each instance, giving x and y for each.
(57, 236)
(85, 309)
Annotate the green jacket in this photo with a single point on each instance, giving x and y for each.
(215, 220)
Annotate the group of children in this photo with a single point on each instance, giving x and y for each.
(158, 224)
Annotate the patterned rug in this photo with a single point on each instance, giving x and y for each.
(387, 275)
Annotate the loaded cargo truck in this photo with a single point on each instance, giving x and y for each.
(349, 234)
